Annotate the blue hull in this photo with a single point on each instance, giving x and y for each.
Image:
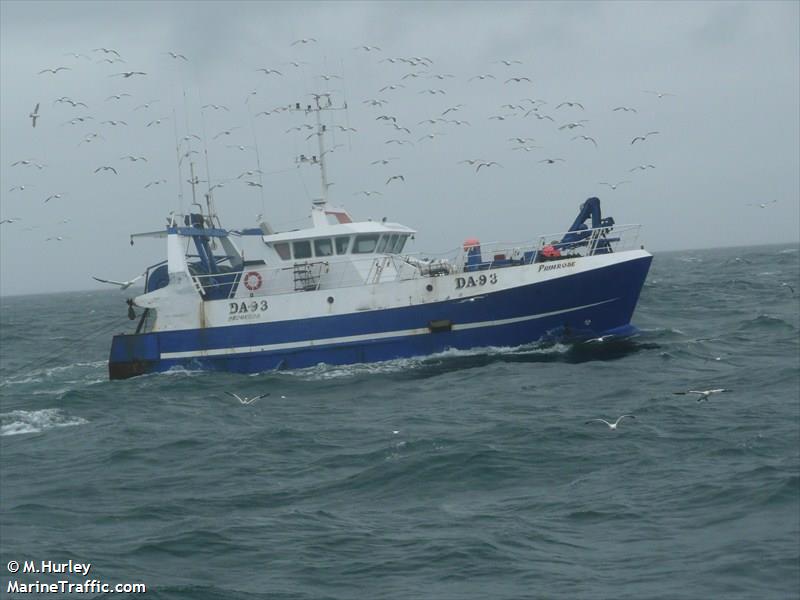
(590, 304)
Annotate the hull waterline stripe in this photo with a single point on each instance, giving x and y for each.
(367, 336)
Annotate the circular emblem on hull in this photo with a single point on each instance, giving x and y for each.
(252, 280)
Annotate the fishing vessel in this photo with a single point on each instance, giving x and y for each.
(344, 291)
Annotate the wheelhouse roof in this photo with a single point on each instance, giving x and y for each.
(337, 230)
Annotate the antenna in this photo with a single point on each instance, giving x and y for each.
(321, 102)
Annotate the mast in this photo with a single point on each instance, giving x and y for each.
(321, 102)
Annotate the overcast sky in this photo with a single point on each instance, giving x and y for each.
(728, 136)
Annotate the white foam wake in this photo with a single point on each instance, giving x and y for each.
(34, 421)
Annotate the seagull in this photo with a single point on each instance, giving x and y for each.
(611, 425)
(453, 109)
(587, 138)
(106, 51)
(517, 79)
(53, 197)
(254, 184)
(176, 55)
(601, 339)
(21, 188)
(527, 148)
(432, 92)
(391, 87)
(268, 71)
(249, 173)
(216, 107)
(540, 117)
(386, 118)
(551, 161)
(471, 161)
(457, 122)
(27, 162)
(242, 148)
(570, 104)
(226, 132)
(487, 164)
(14, 220)
(90, 137)
(508, 63)
(344, 129)
(114, 123)
(625, 108)
(367, 194)
(573, 125)
(303, 41)
(110, 61)
(54, 71)
(383, 161)
(76, 55)
(296, 64)
(132, 158)
(613, 186)
(246, 400)
(34, 115)
(641, 168)
(643, 137)
(659, 94)
(702, 394)
(123, 285)
(104, 168)
(375, 102)
(157, 182)
(127, 74)
(367, 48)
(156, 122)
(399, 142)
(430, 136)
(329, 77)
(393, 177)
(146, 105)
(784, 284)
(762, 204)
(501, 117)
(56, 238)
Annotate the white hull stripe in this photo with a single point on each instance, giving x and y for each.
(367, 336)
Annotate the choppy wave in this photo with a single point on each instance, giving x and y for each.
(22, 421)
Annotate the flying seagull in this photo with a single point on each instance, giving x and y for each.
(587, 138)
(641, 168)
(659, 94)
(123, 285)
(34, 115)
(762, 204)
(54, 71)
(127, 74)
(570, 104)
(517, 79)
(393, 177)
(157, 182)
(104, 168)
(643, 137)
(368, 194)
(487, 164)
(611, 425)
(482, 77)
(625, 108)
(246, 400)
(551, 161)
(53, 197)
(702, 394)
(613, 186)
(268, 71)
(176, 55)
(303, 41)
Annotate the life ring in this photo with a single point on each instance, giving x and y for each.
(252, 280)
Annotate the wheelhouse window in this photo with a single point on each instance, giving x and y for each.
(323, 247)
(398, 246)
(302, 249)
(390, 242)
(382, 244)
(341, 244)
(283, 250)
(365, 244)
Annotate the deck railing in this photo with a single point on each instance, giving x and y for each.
(330, 273)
